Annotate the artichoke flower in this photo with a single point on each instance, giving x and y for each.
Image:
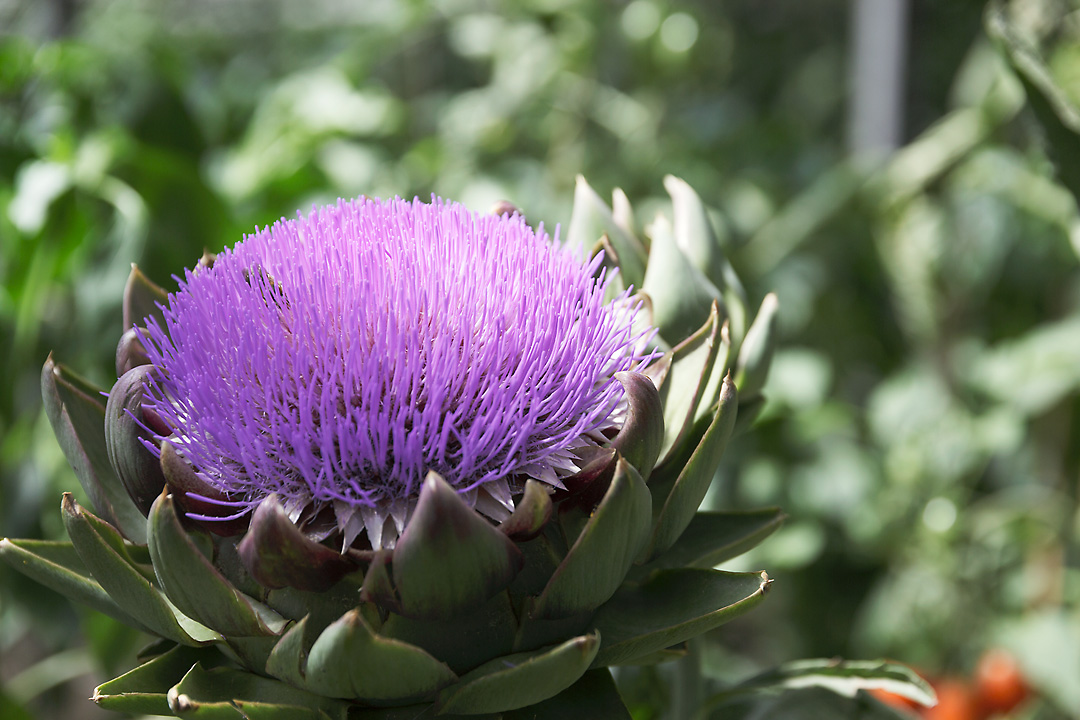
(394, 458)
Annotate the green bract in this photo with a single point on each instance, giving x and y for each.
(462, 616)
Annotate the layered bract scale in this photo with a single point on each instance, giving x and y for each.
(337, 358)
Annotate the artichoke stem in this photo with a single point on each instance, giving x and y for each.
(688, 691)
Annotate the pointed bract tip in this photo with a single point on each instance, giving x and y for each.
(674, 184)
(533, 511)
(432, 482)
(68, 506)
(449, 557)
(50, 366)
(277, 554)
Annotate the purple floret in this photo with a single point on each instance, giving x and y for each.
(335, 359)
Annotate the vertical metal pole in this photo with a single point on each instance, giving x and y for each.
(879, 31)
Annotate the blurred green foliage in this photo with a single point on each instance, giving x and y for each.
(923, 430)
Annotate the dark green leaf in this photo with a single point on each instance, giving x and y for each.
(690, 366)
(845, 677)
(421, 711)
(137, 556)
(602, 554)
(756, 352)
(377, 587)
(195, 586)
(749, 409)
(672, 606)
(660, 656)
(77, 415)
(694, 478)
(592, 697)
(519, 680)
(253, 651)
(537, 632)
(713, 537)
(125, 584)
(807, 704)
(238, 695)
(57, 566)
(144, 689)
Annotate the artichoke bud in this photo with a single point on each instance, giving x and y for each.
(496, 469)
(130, 351)
(128, 426)
(755, 355)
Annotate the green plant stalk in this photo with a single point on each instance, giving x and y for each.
(688, 691)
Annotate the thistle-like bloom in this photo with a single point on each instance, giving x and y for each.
(375, 374)
(337, 358)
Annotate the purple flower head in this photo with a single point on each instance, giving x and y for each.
(335, 359)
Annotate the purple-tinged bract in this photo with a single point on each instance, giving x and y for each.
(335, 359)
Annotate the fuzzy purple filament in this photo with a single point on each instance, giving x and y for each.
(342, 355)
